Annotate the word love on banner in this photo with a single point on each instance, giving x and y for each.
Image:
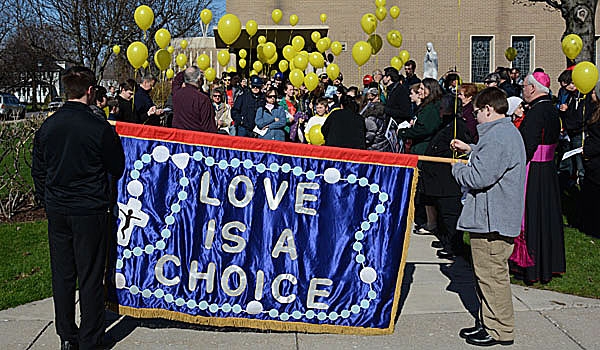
(231, 231)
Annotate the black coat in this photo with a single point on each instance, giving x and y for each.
(437, 177)
(376, 123)
(244, 109)
(344, 128)
(398, 103)
(74, 151)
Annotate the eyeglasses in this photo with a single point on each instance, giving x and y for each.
(219, 96)
(271, 96)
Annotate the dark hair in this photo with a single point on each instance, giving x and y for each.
(349, 103)
(126, 85)
(392, 73)
(493, 97)
(100, 93)
(411, 64)
(539, 70)
(503, 73)
(566, 77)
(322, 101)
(414, 87)
(271, 89)
(449, 79)
(435, 91)
(469, 90)
(77, 80)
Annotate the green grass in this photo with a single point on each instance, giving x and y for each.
(583, 267)
(25, 274)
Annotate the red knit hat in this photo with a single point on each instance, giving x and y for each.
(367, 79)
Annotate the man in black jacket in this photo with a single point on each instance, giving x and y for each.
(74, 154)
(397, 102)
(244, 109)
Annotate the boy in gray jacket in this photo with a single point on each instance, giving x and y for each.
(492, 213)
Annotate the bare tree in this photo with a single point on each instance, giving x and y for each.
(88, 29)
(579, 16)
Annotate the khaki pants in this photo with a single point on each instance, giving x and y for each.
(490, 263)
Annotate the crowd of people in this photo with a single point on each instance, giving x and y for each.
(512, 130)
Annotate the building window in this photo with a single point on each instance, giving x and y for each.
(481, 57)
(524, 46)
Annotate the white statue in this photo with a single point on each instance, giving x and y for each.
(430, 63)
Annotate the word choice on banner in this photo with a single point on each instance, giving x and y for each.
(229, 231)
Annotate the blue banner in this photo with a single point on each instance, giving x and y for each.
(230, 231)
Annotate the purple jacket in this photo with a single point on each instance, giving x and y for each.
(192, 110)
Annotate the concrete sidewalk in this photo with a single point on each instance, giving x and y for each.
(438, 300)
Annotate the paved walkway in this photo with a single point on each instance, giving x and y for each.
(438, 299)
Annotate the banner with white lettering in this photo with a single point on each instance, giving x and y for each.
(233, 231)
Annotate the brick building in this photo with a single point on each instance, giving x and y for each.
(486, 29)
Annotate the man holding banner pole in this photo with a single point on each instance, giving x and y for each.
(494, 177)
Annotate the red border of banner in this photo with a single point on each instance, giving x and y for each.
(266, 146)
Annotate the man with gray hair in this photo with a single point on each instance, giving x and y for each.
(192, 109)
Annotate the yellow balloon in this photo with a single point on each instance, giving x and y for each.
(143, 17)
(316, 60)
(260, 53)
(137, 53)
(376, 43)
(116, 49)
(333, 71)
(311, 81)
(203, 61)
(404, 56)
(396, 62)
(253, 72)
(283, 65)
(242, 53)
(296, 77)
(585, 76)
(315, 36)
(183, 44)
(368, 22)
(361, 52)
(394, 12)
(293, 20)
(162, 59)
(210, 74)
(229, 28)
(298, 43)
(322, 45)
(206, 16)
(380, 13)
(223, 57)
(262, 39)
(145, 65)
(273, 59)
(269, 50)
(379, 3)
(171, 49)
(288, 52)
(170, 73)
(328, 41)
(257, 65)
(231, 69)
(276, 16)
(511, 53)
(291, 64)
(572, 45)
(300, 62)
(315, 135)
(394, 38)
(181, 60)
(162, 38)
(323, 18)
(336, 47)
(242, 63)
(251, 27)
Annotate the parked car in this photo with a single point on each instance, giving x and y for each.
(10, 107)
(56, 103)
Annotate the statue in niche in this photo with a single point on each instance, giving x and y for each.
(430, 63)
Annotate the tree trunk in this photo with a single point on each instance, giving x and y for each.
(579, 16)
